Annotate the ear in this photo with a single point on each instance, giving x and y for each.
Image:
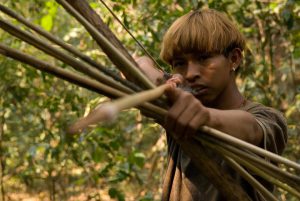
(235, 57)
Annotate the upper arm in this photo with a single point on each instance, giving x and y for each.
(274, 129)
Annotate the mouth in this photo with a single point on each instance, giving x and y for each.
(199, 90)
(196, 90)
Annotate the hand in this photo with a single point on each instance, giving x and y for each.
(186, 114)
(149, 69)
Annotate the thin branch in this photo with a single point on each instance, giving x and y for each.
(83, 7)
(109, 111)
(231, 140)
(78, 65)
(213, 175)
(286, 177)
(225, 137)
(74, 78)
(250, 179)
(259, 172)
(242, 144)
(68, 47)
(226, 185)
(60, 72)
(134, 38)
(193, 148)
(115, 55)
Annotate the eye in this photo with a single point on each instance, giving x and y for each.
(203, 57)
(178, 63)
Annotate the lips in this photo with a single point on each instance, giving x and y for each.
(199, 90)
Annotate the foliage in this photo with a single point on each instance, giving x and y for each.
(125, 160)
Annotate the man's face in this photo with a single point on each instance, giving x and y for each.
(207, 75)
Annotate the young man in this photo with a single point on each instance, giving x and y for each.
(205, 48)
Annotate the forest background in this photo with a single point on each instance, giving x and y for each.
(125, 160)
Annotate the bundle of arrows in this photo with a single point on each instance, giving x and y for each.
(241, 156)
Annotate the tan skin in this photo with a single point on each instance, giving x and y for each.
(215, 100)
(147, 66)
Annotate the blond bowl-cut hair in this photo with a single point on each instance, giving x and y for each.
(204, 31)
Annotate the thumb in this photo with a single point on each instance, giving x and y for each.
(172, 93)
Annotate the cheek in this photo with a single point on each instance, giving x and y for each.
(210, 72)
(180, 71)
(218, 76)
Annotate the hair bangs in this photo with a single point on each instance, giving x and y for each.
(200, 32)
(191, 38)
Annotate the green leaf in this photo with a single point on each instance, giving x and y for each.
(47, 22)
(137, 158)
(147, 197)
(115, 193)
(52, 7)
(97, 155)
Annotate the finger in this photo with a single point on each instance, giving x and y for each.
(176, 110)
(176, 78)
(200, 119)
(184, 119)
(193, 126)
(180, 113)
(173, 93)
(171, 119)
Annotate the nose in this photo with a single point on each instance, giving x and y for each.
(192, 72)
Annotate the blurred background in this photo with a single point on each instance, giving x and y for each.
(125, 160)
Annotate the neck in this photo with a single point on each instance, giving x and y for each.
(230, 98)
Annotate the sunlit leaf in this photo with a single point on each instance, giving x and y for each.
(47, 22)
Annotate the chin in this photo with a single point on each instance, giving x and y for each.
(207, 101)
(204, 99)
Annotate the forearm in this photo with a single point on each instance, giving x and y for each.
(237, 123)
(148, 68)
